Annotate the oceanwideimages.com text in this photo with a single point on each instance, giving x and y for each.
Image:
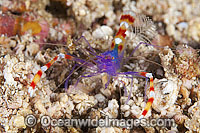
(106, 122)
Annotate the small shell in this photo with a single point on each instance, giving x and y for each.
(166, 92)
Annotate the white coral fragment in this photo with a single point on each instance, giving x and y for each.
(84, 102)
(166, 93)
(19, 121)
(193, 124)
(112, 109)
(102, 32)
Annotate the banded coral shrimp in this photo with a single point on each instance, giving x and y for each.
(108, 62)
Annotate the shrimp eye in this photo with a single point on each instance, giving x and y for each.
(113, 58)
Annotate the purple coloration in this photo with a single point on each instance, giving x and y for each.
(108, 62)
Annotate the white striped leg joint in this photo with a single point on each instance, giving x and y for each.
(118, 40)
(141, 116)
(61, 55)
(44, 68)
(125, 23)
(31, 91)
(149, 75)
(152, 94)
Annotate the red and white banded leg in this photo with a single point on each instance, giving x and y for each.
(151, 94)
(38, 75)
